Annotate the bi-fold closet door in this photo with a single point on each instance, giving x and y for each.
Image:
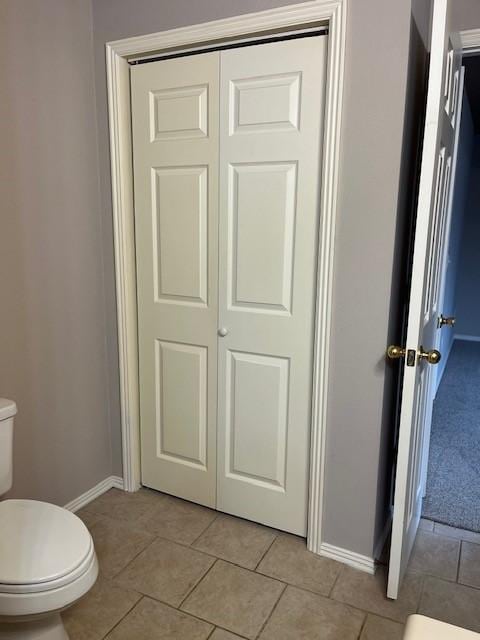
(226, 150)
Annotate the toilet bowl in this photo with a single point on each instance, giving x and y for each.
(423, 628)
(47, 558)
(47, 562)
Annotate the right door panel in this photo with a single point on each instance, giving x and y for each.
(271, 114)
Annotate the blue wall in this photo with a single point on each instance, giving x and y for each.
(460, 200)
(468, 275)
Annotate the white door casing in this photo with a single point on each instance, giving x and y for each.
(175, 136)
(434, 195)
(119, 53)
(271, 117)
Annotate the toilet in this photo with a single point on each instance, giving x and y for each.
(422, 628)
(47, 557)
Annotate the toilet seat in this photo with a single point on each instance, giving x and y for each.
(39, 543)
(422, 628)
(47, 558)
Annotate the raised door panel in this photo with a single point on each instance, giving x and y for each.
(181, 407)
(263, 104)
(261, 231)
(179, 113)
(257, 414)
(180, 234)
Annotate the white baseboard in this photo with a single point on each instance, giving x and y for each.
(463, 336)
(355, 560)
(96, 491)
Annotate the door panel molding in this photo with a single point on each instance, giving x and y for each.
(303, 16)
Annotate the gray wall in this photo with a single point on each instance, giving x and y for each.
(464, 15)
(52, 318)
(460, 194)
(373, 146)
(468, 276)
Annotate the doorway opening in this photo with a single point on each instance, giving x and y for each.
(451, 468)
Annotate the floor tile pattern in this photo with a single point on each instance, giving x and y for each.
(172, 570)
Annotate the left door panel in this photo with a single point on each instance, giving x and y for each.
(175, 140)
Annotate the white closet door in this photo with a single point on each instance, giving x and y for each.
(271, 114)
(175, 138)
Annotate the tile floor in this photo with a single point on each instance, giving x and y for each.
(170, 569)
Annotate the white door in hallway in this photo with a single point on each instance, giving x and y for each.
(175, 140)
(442, 118)
(227, 152)
(270, 137)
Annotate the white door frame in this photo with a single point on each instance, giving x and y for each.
(470, 41)
(330, 13)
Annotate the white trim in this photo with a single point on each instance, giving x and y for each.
(355, 560)
(96, 491)
(464, 336)
(470, 39)
(305, 14)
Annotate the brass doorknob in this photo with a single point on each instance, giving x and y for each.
(445, 321)
(432, 356)
(394, 352)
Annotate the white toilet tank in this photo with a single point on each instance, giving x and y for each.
(8, 409)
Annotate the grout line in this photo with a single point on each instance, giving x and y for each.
(422, 589)
(230, 632)
(195, 540)
(459, 560)
(124, 616)
(272, 611)
(185, 613)
(197, 583)
(334, 583)
(265, 552)
(364, 623)
(115, 575)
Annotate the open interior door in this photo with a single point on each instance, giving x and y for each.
(442, 109)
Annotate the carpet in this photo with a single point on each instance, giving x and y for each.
(453, 479)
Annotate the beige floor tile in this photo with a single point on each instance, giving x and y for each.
(425, 525)
(151, 620)
(435, 555)
(88, 518)
(122, 505)
(301, 614)
(99, 611)
(236, 540)
(221, 634)
(178, 520)
(377, 628)
(165, 571)
(116, 544)
(459, 534)
(469, 570)
(234, 599)
(450, 602)
(289, 560)
(368, 592)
